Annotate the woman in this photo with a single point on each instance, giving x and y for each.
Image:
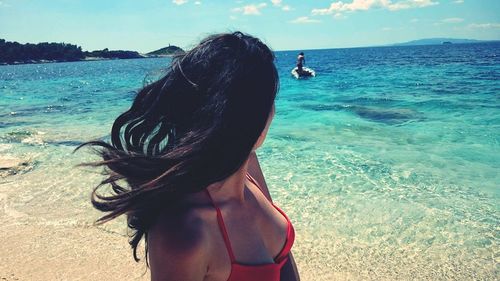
(182, 167)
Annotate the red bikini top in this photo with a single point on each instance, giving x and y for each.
(261, 272)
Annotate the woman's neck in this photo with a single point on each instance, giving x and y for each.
(232, 188)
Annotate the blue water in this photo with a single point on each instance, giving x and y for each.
(387, 162)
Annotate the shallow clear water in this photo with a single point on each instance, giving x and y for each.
(387, 161)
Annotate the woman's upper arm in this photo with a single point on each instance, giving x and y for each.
(177, 253)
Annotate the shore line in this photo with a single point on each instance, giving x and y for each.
(85, 59)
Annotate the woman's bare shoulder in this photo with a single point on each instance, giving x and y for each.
(179, 244)
(181, 228)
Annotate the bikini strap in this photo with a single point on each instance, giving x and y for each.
(258, 186)
(253, 181)
(223, 230)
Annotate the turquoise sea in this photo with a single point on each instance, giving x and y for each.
(387, 162)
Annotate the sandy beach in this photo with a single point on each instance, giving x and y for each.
(43, 252)
(35, 247)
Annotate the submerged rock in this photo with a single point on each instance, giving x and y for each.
(391, 116)
(9, 162)
(25, 137)
(10, 165)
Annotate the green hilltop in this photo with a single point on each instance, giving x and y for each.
(171, 50)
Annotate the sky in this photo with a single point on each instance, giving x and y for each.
(147, 25)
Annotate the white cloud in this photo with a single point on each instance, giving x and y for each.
(452, 20)
(179, 2)
(279, 3)
(408, 4)
(414, 20)
(458, 1)
(253, 9)
(304, 20)
(197, 3)
(484, 25)
(340, 6)
(233, 18)
(363, 5)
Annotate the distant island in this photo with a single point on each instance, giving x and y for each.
(440, 41)
(17, 53)
(167, 51)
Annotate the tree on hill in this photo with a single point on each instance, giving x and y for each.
(106, 53)
(11, 52)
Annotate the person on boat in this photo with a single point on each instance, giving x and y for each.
(301, 60)
(181, 165)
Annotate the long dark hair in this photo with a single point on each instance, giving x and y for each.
(195, 126)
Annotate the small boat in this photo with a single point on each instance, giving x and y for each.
(305, 73)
